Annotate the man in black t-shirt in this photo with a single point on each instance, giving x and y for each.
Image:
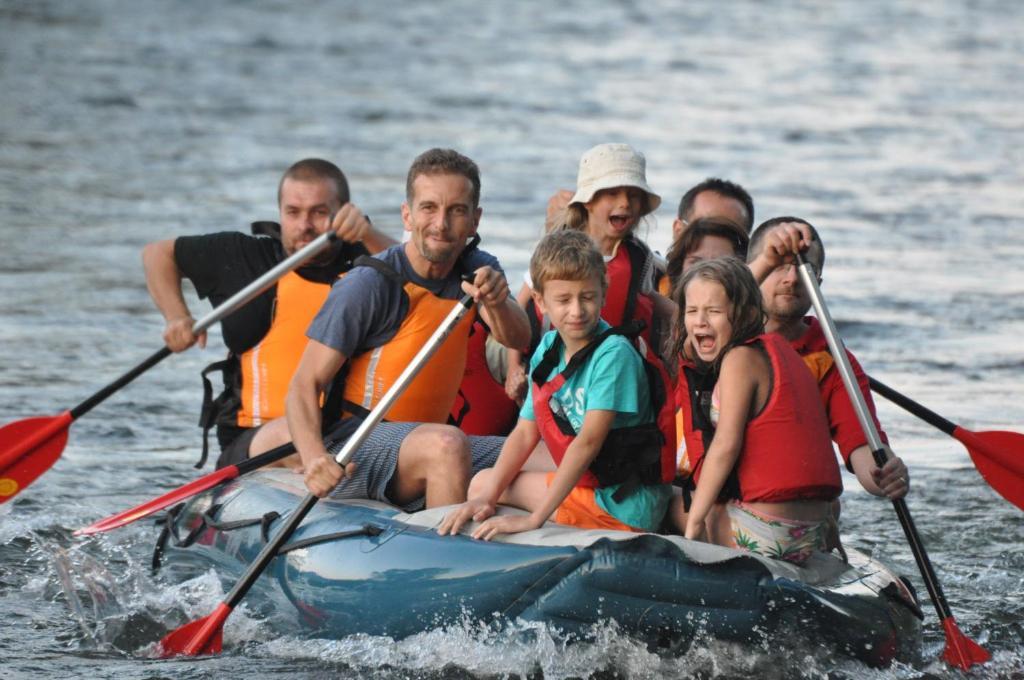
(265, 337)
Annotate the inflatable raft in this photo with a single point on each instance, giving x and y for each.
(361, 567)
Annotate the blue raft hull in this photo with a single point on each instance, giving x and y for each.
(366, 568)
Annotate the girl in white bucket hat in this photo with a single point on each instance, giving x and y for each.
(612, 196)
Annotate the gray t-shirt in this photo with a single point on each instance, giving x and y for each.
(366, 308)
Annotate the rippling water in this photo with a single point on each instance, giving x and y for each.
(896, 128)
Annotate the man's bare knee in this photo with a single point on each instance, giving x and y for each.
(447, 446)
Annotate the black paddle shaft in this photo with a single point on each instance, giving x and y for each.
(842, 364)
(131, 375)
(908, 404)
(269, 551)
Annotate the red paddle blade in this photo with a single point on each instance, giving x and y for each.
(1007, 483)
(168, 499)
(961, 651)
(1004, 448)
(196, 638)
(28, 448)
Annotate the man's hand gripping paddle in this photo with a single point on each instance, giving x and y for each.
(960, 650)
(998, 455)
(29, 447)
(204, 636)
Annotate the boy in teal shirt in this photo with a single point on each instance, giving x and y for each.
(590, 401)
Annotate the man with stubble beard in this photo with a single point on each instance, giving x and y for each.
(372, 325)
(786, 303)
(265, 337)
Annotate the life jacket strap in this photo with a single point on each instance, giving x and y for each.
(213, 411)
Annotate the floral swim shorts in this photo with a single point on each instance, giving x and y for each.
(783, 539)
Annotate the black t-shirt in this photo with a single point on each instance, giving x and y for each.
(219, 265)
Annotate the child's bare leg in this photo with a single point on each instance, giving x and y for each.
(540, 460)
(719, 527)
(677, 511)
(527, 491)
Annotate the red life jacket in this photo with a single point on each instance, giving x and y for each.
(787, 447)
(481, 407)
(630, 456)
(623, 301)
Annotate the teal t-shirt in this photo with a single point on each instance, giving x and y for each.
(612, 379)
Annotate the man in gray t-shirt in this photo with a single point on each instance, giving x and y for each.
(405, 463)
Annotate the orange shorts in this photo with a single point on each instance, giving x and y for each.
(580, 509)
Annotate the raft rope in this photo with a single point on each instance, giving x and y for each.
(208, 522)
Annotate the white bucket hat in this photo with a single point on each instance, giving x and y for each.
(607, 166)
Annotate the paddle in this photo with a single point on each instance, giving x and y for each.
(29, 447)
(204, 636)
(960, 650)
(198, 485)
(187, 491)
(998, 455)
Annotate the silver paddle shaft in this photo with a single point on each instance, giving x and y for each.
(396, 389)
(842, 362)
(265, 281)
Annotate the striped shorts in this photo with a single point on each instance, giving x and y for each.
(377, 459)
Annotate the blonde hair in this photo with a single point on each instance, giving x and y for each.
(565, 255)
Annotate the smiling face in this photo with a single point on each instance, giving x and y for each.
(306, 208)
(613, 213)
(574, 308)
(706, 319)
(441, 218)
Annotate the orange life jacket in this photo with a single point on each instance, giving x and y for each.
(429, 397)
(268, 366)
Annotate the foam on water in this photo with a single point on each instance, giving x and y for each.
(895, 128)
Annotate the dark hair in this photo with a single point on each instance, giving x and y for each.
(694, 234)
(816, 253)
(444, 162)
(746, 311)
(310, 169)
(719, 186)
(566, 255)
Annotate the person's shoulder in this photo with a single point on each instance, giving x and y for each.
(745, 356)
(229, 241)
(476, 258)
(618, 345)
(543, 346)
(372, 276)
(618, 355)
(225, 255)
